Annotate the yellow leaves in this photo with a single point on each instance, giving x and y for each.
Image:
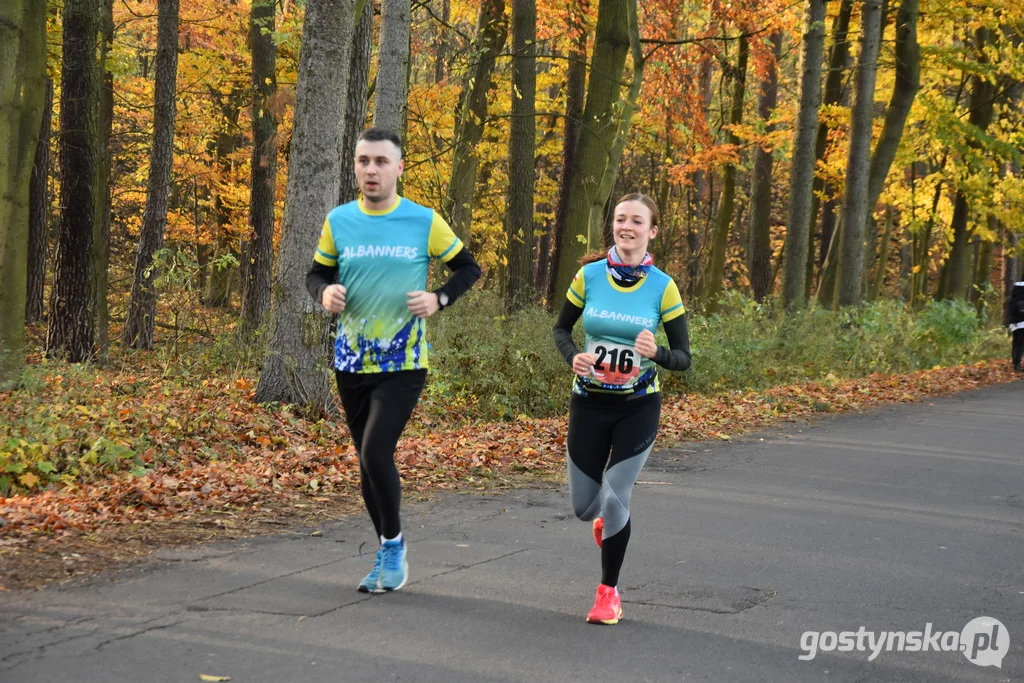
(28, 480)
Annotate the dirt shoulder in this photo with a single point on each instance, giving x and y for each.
(286, 485)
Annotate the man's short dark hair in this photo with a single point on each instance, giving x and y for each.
(375, 134)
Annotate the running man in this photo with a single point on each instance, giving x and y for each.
(371, 268)
(616, 405)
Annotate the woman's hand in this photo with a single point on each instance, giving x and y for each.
(583, 364)
(645, 344)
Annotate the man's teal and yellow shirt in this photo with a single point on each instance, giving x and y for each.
(381, 256)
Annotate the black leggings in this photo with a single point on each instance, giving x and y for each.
(377, 407)
(608, 443)
(1018, 346)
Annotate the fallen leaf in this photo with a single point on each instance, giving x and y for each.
(208, 677)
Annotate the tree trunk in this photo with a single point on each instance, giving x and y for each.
(70, 331)
(101, 239)
(855, 207)
(625, 119)
(761, 186)
(715, 273)
(598, 131)
(908, 81)
(835, 93)
(521, 145)
(984, 256)
(1011, 265)
(259, 256)
(883, 256)
(802, 173)
(392, 90)
(223, 274)
(492, 30)
(138, 328)
(22, 93)
(442, 44)
(700, 198)
(956, 272)
(355, 108)
(39, 215)
(575, 91)
(294, 369)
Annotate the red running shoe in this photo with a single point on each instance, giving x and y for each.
(607, 607)
(598, 530)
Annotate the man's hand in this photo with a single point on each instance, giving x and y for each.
(645, 344)
(422, 304)
(333, 298)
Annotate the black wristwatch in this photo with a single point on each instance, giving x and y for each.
(442, 301)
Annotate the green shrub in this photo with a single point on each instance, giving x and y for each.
(488, 367)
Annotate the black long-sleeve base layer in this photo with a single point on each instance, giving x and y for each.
(465, 272)
(675, 357)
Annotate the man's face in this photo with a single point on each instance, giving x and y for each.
(378, 167)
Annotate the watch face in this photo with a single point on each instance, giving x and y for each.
(442, 299)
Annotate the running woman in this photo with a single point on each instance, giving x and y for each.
(371, 268)
(616, 404)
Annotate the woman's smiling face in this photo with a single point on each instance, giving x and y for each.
(632, 228)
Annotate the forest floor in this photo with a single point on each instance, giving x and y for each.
(218, 466)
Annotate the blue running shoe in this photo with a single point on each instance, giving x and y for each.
(394, 571)
(371, 582)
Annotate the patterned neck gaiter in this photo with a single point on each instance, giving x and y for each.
(626, 273)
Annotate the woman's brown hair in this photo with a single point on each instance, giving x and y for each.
(651, 205)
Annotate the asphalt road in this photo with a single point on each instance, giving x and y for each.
(747, 558)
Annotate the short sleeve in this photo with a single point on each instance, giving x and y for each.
(326, 254)
(671, 302)
(577, 293)
(443, 243)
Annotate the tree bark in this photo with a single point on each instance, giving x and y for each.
(956, 272)
(802, 173)
(521, 146)
(624, 120)
(715, 273)
(70, 331)
(908, 81)
(356, 104)
(294, 369)
(259, 256)
(984, 250)
(855, 207)
(442, 47)
(223, 273)
(492, 31)
(575, 92)
(22, 92)
(598, 131)
(138, 327)
(883, 256)
(393, 66)
(39, 215)
(835, 93)
(761, 186)
(104, 162)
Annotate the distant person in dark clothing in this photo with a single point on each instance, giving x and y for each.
(1015, 318)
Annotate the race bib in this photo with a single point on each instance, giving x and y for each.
(615, 364)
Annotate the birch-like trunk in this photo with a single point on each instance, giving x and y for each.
(802, 173)
(296, 367)
(855, 207)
